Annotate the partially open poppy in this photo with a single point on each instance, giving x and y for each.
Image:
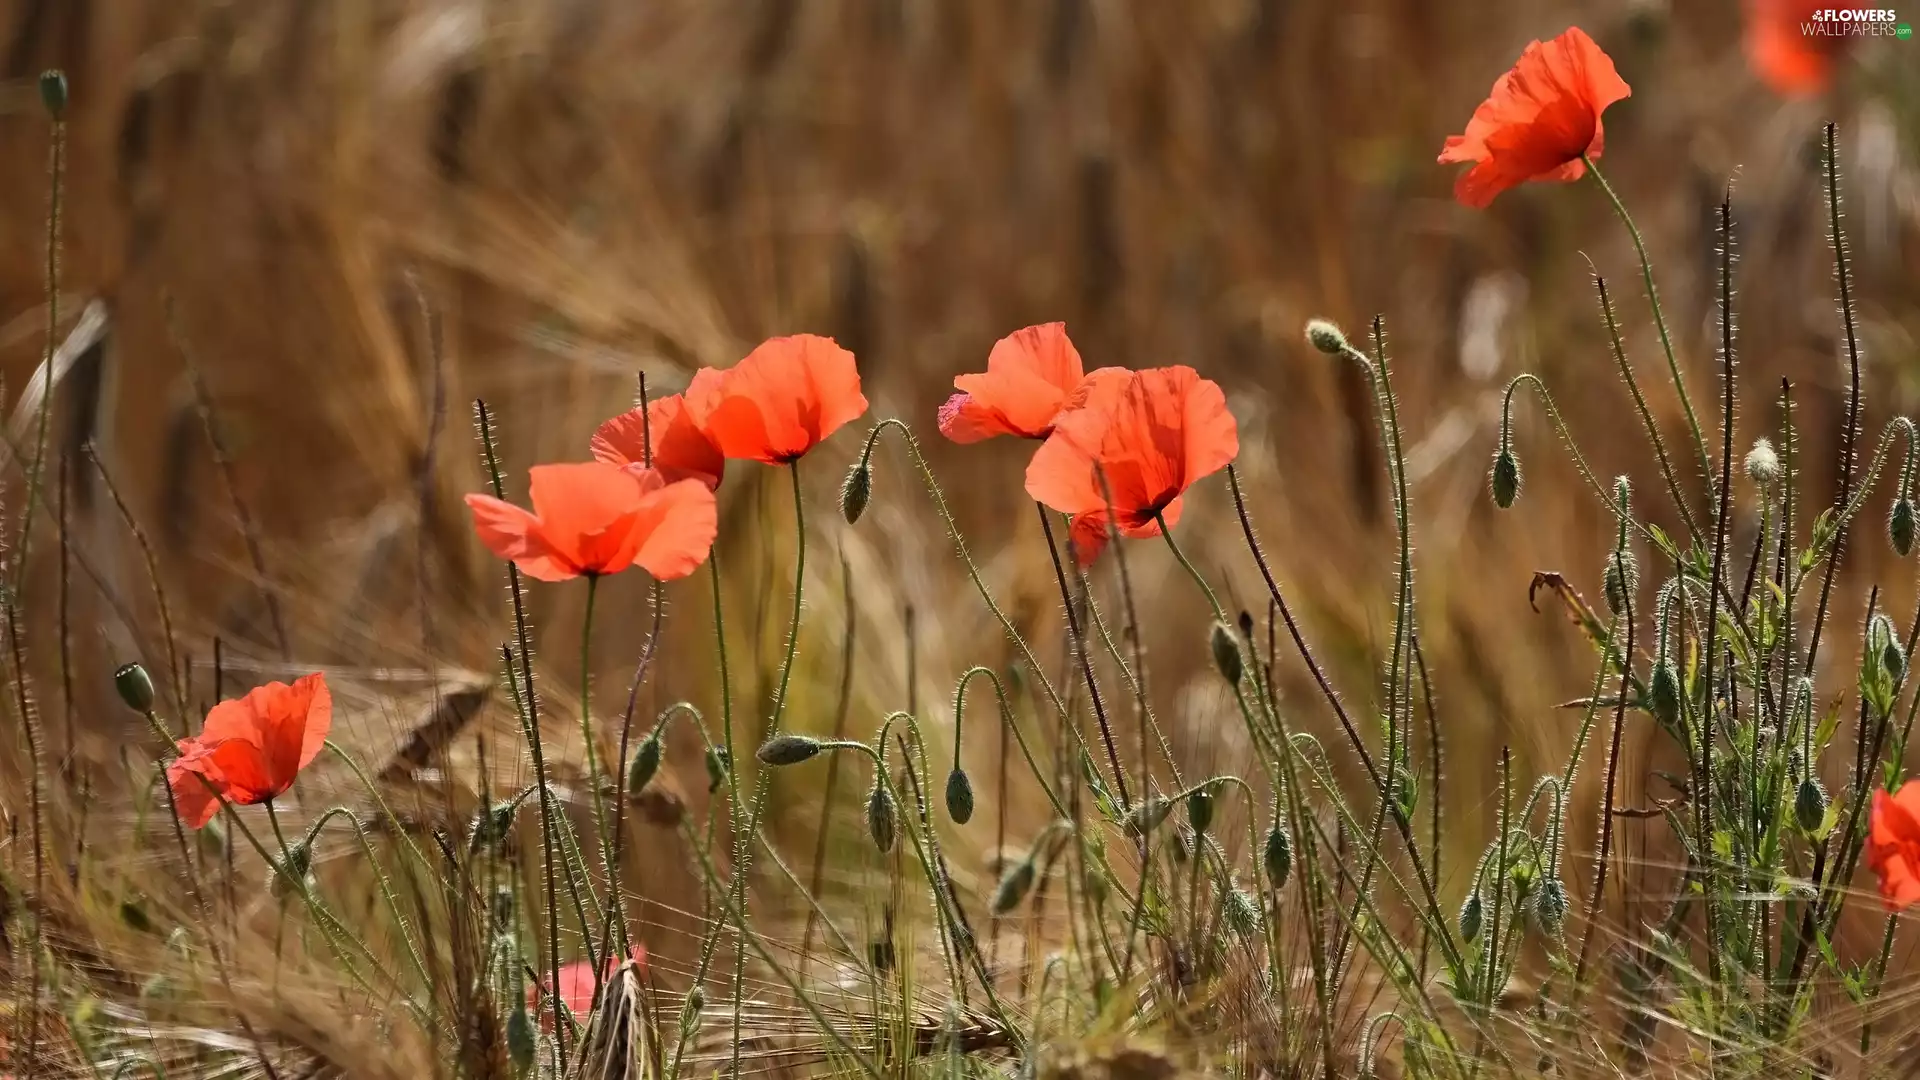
(251, 748)
(1893, 845)
(1792, 62)
(1540, 117)
(779, 402)
(595, 518)
(1031, 373)
(576, 983)
(664, 437)
(1152, 434)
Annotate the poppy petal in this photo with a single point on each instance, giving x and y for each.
(966, 419)
(666, 436)
(676, 524)
(516, 535)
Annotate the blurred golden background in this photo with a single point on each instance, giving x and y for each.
(575, 191)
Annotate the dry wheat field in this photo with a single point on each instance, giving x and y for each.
(907, 538)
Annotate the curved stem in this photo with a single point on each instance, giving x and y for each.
(1659, 316)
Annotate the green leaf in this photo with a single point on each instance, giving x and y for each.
(1662, 541)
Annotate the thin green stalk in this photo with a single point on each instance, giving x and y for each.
(1659, 316)
(600, 971)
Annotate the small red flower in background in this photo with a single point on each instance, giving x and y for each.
(596, 518)
(576, 983)
(250, 749)
(1151, 433)
(784, 399)
(1540, 117)
(1893, 845)
(1779, 50)
(680, 450)
(1030, 376)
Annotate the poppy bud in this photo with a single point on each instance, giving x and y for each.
(520, 1040)
(1504, 480)
(1621, 580)
(1096, 886)
(646, 762)
(787, 750)
(1810, 805)
(1243, 915)
(1279, 856)
(1245, 623)
(881, 817)
(1326, 337)
(294, 867)
(718, 766)
(959, 796)
(503, 907)
(696, 1000)
(1200, 810)
(1763, 464)
(1883, 647)
(1550, 907)
(1226, 653)
(135, 687)
(1470, 917)
(856, 491)
(53, 92)
(1900, 526)
(1013, 887)
(491, 826)
(1147, 815)
(1663, 693)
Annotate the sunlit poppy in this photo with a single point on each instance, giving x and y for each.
(781, 401)
(1792, 62)
(1031, 373)
(250, 749)
(1540, 117)
(1151, 434)
(595, 518)
(576, 983)
(664, 436)
(1893, 845)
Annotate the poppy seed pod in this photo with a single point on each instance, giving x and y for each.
(1200, 810)
(1278, 856)
(53, 93)
(1226, 653)
(1810, 805)
(1504, 479)
(491, 826)
(646, 762)
(135, 687)
(696, 1000)
(787, 750)
(1326, 337)
(1013, 887)
(856, 491)
(881, 817)
(1900, 526)
(959, 796)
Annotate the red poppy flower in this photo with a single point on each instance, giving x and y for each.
(787, 396)
(596, 518)
(680, 450)
(1151, 433)
(250, 749)
(1893, 845)
(1791, 61)
(1540, 117)
(1030, 375)
(576, 983)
